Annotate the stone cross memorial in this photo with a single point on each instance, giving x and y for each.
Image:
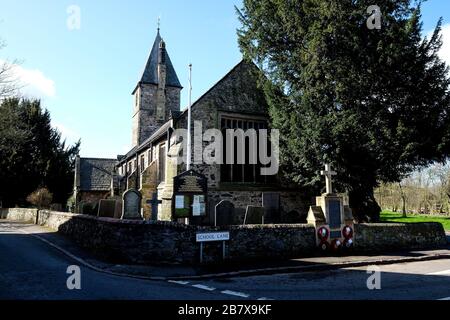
(328, 173)
(331, 216)
(154, 203)
(132, 205)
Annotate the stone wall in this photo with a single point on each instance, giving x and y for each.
(20, 214)
(271, 241)
(397, 236)
(141, 242)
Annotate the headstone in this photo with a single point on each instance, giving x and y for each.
(254, 215)
(107, 208)
(131, 205)
(118, 209)
(224, 213)
(271, 204)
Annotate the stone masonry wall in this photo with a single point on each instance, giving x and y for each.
(142, 242)
(19, 214)
(377, 237)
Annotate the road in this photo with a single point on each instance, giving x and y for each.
(31, 269)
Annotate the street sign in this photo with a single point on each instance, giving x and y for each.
(213, 236)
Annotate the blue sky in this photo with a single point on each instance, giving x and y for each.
(85, 77)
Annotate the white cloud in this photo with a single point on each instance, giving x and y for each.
(33, 82)
(445, 50)
(444, 53)
(66, 133)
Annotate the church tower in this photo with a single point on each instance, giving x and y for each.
(156, 95)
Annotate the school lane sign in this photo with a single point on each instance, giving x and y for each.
(213, 236)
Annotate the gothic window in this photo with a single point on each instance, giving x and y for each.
(142, 163)
(150, 156)
(162, 163)
(243, 173)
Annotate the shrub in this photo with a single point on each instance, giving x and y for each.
(41, 198)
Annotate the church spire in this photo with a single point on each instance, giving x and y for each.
(159, 23)
(150, 74)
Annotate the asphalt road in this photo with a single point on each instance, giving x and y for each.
(31, 269)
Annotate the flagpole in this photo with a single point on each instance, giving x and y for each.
(189, 138)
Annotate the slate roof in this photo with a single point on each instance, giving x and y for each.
(150, 74)
(95, 174)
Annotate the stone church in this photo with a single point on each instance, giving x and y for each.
(235, 101)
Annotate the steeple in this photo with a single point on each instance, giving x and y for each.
(157, 93)
(150, 74)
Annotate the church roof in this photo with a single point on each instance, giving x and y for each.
(95, 174)
(150, 74)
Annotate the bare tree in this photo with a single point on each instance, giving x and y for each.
(9, 83)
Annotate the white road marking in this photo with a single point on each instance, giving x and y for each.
(445, 299)
(440, 273)
(203, 287)
(235, 293)
(179, 282)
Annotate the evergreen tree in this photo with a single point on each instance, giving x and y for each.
(32, 154)
(374, 103)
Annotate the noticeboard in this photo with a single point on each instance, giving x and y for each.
(190, 194)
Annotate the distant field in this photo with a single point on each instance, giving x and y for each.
(388, 216)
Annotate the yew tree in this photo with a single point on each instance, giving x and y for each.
(373, 102)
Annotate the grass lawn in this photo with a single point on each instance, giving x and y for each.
(389, 216)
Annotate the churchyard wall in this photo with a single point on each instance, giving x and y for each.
(382, 237)
(141, 242)
(19, 214)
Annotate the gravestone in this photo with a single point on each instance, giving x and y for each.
(132, 205)
(271, 204)
(118, 209)
(224, 213)
(254, 215)
(107, 208)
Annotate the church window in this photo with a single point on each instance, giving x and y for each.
(142, 163)
(162, 163)
(150, 156)
(243, 173)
